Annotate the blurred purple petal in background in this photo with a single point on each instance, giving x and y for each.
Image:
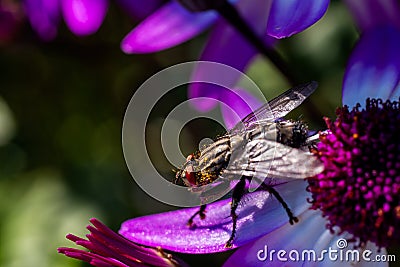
(168, 26)
(371, 13)
(291, 17)
(44, 16)
(84, 17)
(140, 9)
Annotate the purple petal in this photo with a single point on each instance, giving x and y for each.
(170, 25)
(84, 17)
(239, 103)
(302, 235)
(372, 13)
(374, 67)
(140, 9)
(223, 46)
(258, 215)
(44, 16)
(291, 17)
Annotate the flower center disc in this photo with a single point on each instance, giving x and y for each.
(360, 186)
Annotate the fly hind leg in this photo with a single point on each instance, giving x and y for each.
(201, 212)
(271, 190)
(237, 195)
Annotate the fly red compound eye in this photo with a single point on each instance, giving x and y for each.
(190, 177)
(189, 172)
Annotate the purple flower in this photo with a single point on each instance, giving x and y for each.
(83, 17)
(366, 138)
(358, 136)
(107, 248)
(357, 193)
(359, 188)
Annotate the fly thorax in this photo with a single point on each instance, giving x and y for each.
(259, 132)
(292, 133)
(213, 160)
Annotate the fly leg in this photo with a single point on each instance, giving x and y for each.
(237, 195)
(201, 212)
(271, 190)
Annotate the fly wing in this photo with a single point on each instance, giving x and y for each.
(278, 107)
(269, 159)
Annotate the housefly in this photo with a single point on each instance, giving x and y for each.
(263, 147)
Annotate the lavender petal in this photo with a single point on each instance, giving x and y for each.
(44, 16)
(291, 17)
(84, 17)
(257, 216)
(170, 25)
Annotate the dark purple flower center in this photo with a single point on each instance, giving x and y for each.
(360, 186)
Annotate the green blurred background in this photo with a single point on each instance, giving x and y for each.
(61, 110)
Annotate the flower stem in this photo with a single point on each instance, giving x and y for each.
(232, 16)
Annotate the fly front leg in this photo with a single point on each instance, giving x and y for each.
(237, 195)
(201, 212)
